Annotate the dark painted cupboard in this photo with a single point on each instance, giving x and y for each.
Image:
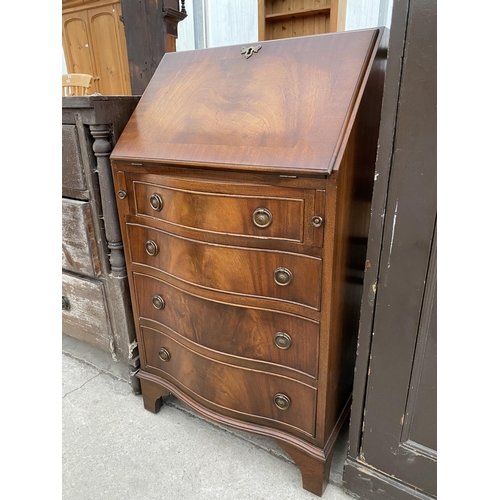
(95, 294)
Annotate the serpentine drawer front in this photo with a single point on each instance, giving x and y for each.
(253, 395)
(252, 333)
(243, 187)
(222, 208)
(258, 273)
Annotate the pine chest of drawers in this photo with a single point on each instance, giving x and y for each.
(243, 182)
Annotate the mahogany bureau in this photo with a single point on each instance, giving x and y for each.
(243, 182)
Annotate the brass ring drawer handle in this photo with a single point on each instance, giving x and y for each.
(65, 303)
(282, 340)
(262, 217)
(164, 354)
(158, 302)
(282, 401)
(152, 248)
(283, 276)
(156, 202)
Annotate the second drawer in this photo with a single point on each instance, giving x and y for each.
(271, 274)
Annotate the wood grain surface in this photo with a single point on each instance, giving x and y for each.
(241, 331)
(293, 128)
(233, 270)
(229, 387)
(202, 207)
(287, 107)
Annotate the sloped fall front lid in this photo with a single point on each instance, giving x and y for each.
(284, 108)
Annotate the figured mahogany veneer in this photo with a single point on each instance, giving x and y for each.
(200, 375)
(251, 271)
(243, 187)
(206, 207)
(231, 328)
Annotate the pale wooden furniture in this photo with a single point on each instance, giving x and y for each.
(76, 84)
(120, 42)
(95, 297)
(243, 183)
(291, 18)
(93, 39)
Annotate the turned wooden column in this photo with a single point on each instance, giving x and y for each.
(102, 149)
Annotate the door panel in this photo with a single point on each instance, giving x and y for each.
(108, 39)
(399, 437)
(420, 424)
(76, 44)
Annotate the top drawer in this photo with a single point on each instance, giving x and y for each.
(255, 211)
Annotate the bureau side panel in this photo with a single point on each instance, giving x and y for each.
(353, 185)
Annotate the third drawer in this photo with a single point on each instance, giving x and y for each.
(255, 334)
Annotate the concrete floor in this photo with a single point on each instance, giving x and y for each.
(114, 449)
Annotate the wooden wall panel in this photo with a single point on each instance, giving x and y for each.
(145, 41)
(108, 36)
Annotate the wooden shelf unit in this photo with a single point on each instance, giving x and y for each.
(291, 18)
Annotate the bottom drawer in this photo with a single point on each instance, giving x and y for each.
(84, 314)
(255, 395)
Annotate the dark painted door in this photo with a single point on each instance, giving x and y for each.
(400, 418)
(393, 442)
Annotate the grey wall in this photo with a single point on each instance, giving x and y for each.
(368, 14)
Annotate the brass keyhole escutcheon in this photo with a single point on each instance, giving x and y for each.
(262, 217)
(282, 401)
(156, 202)
(317, 221)
(248, 51)
(283, 276)
(164, 354)
(282, 340)
(158, 302)
(122, 194)
(152, 248)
